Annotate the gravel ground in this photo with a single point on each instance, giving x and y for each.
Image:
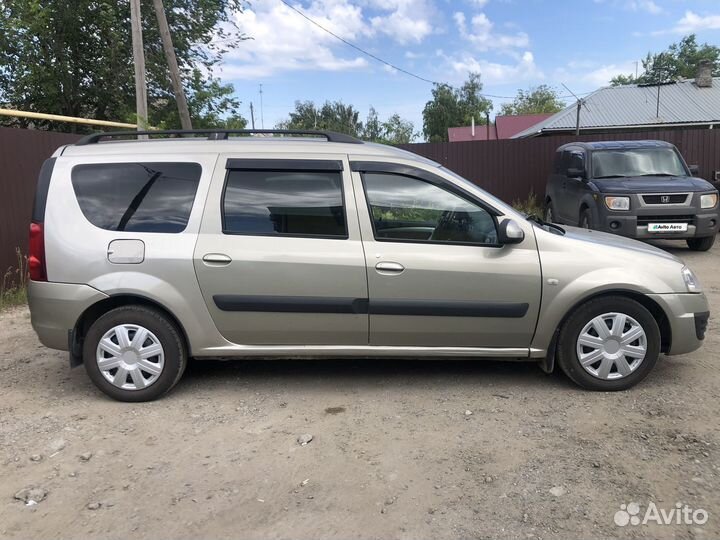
(400, 449)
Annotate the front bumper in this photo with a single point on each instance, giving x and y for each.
(56, 307)
(636, 226)
(687, 315)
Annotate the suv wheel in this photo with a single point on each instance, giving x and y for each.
(609, 343)
(134, 353)
(586, 219)
(701, 244)
(549, 212)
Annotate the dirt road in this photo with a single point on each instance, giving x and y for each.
(400, 449)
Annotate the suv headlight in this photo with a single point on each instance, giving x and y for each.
(691, 281)
(708, 201)
(618, 203)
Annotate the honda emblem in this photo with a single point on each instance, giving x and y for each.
(665, 199)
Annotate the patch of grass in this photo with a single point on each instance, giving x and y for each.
(13, 289)
(530, 206)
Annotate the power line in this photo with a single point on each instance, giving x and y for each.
(377, 58)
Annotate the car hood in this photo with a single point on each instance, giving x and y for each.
(652, 184)
(613, 240)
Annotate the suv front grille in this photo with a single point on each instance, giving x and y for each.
(665, 198)
(644, 220)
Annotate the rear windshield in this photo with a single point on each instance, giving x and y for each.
(137, 197)
(637, 162)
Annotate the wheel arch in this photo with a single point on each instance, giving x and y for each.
(98, 309)
(548, 363)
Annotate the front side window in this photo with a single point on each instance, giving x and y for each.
(637, 162)
(137, 197)
(284, 203)
(409, 209)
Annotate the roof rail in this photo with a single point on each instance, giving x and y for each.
(219, 134)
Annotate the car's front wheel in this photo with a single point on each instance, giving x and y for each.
(609, 343)
(134, 353)
(701, 244)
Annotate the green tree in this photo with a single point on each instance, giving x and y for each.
(679, 61)
(395, 130)
(332, 116)
(75, 58)
(538, 100)
(453, 107)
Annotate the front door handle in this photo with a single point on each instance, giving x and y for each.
(216, 259)
(389, 268)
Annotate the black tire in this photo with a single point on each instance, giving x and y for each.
(586, 221)
(701, 244)
(170, 337)
(550, 215)
(567, 356)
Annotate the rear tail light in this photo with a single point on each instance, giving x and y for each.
(36, 258)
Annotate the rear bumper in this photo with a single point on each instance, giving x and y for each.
(633, 226)
(688, 315)
(56, 307)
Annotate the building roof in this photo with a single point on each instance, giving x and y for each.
(504, 128)
(633, 105)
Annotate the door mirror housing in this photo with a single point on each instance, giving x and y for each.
(694, 170)
(574, 172)
(510, 232)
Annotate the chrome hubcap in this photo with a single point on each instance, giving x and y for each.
(130, 357)
(611, 346)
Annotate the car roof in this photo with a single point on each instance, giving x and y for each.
(617, 145)
(244, 144)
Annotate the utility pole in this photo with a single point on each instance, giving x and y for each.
(252, 115)
(262, 115)
(172, 64)
(139, 61)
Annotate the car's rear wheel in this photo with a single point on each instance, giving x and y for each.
(586, 219)
(701, 244)
(134, 353)
(549, 212)
(610, 343)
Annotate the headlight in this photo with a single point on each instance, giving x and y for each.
(618, 203)
(691, 281)
(708, 201)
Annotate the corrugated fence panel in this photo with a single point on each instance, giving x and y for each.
(512, 169)
(22, 153)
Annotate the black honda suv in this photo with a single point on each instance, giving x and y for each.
(640, 189)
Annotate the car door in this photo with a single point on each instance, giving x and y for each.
(279, 257)
(575, 186)
(436, 273)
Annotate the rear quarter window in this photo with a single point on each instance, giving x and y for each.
(137, 197)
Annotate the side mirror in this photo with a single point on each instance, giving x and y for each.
(574, 172)
(694, 170)
(510, 232)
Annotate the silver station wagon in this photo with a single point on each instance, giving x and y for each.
(281, 244)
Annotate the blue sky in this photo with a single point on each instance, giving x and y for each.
(512, 43)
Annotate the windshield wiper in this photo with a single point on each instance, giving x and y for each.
(536, 219)
(612, 176)
(657, 174)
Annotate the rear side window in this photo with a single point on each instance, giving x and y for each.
(284, 203)
(137, 197)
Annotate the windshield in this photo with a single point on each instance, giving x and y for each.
(637, 162)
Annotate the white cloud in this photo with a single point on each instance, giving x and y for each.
(405, 21)
(647, 6)
(282, 40)
(480, 33)
(592, 75)
(496, 73)
(692, 22)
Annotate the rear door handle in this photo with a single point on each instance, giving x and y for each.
(389, 268)
(216, 259)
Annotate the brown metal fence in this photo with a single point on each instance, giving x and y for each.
(22, 152)
(512, 169)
